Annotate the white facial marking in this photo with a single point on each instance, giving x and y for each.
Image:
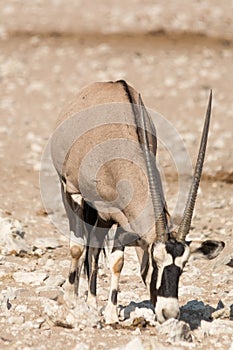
(166, 308)
(181, 260)
(163, 259)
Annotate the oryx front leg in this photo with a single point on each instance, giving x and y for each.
(77, 252)
(116, 265)
(77, 259)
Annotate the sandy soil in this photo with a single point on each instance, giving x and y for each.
(39, 71)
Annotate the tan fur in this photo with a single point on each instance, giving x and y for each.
(135, 215)
(117, 267)
(76, 251)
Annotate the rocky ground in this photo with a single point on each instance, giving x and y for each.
(173, 61)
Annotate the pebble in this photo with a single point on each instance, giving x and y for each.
(22, 308)
(57, 280)
(224, 260)
(217, 327)
(136, 331)
(138, 310)
(81, 346)
(46, 243)
(190, 290)
(12, 237)
(34, 278)
(15, 320)
(175, 330)
(134, 344)
(49, 292)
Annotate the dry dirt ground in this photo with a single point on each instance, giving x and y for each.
(173, 72)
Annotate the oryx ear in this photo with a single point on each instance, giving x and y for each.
(209, 249)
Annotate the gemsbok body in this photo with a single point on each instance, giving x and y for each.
(104, 151)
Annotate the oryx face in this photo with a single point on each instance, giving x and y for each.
(169, 259)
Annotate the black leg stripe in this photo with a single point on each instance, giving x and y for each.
(114, 297)
(93, 283)
(72, 276)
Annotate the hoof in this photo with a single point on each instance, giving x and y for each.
(110, 315)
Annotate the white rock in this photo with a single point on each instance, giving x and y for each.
(33, 278)
(135, 310)
(49, 292)
(217, 327)
(28, 325)
(21, 308)
(136, 331)
(81, 346)
(225, 260)
(79, 316)
(135, 344)
(15, 320)
(57, 280)
(50, 306)
(3, 274)
(50, 264)
(12, 237)
(46, 243)
(190, 290)
(6, 297)
(175, 330)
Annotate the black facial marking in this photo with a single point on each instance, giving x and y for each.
(145, 266)
(114, 297)
(153, 292)
(211, 248)
(72, 276)
(174, 248)
(170, 281)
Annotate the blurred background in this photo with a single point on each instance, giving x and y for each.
(172, 52)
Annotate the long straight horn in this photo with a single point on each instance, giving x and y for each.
(153, 176)
(188, 212)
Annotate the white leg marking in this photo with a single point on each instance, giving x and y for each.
(116, 265)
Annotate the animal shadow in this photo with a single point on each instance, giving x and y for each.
(196, 311)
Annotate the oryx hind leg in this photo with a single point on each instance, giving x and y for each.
(97, 232)
(74, 209)
(93, 257)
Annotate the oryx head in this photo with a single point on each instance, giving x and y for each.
(170, 252)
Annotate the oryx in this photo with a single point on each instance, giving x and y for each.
(116, 193)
